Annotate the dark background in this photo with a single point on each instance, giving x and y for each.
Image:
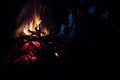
(104, 35)
(102, 31)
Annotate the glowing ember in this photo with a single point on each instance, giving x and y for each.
(26, 46)
(36, 43)
(56, 54)
(33, 58)
(30, 57)
(29, 53)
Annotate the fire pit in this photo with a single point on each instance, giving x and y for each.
(34, 49)
(34, 41)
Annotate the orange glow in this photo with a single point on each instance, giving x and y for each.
(32, 24)
(44, 30)
(25, 30)
(56, 54)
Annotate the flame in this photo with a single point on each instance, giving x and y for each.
(25, 30)
(45, 32)
(32, 24)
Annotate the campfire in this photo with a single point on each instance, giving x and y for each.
(34, 42)
(33, 27)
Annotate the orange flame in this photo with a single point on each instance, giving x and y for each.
(32, 24)
(45, 32)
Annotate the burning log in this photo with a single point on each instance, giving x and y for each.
(35, 41)
(32, 49)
